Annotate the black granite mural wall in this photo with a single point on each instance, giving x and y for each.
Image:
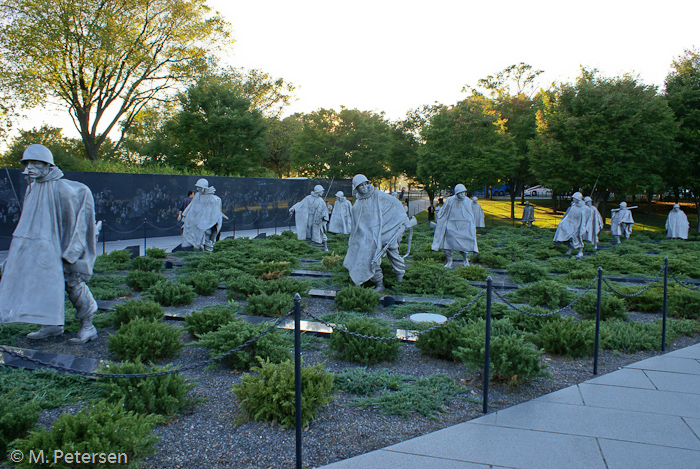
(125, 202)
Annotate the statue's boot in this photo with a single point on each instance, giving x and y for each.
(86, 333)
(399, 278)
(617, 240)
(46, 332)
(379, 287)
(580, 254)
(569, 251)
(448, 264)
(466, 259)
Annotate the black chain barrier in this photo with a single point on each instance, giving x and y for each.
(177, 225)
(151, 374)
(632, 295)
(681, 283)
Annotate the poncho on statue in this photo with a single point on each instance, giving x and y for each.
(479, 219)
(677, 225)
(341, 219)
(455, 229)
(53, 242)
(310, 215)
(572, 227)
(378, 219)
(203, 219)
(621, 221)
(593, 222)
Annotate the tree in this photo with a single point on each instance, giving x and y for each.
(341, 144)
(66, 151)
(466, 143)
(511, 92)
(281, 135)
(607, 134)
(216, 129)
(103, 59)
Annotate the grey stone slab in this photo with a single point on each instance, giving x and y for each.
(105, 305)
(569, 395)
(428, 317)
(646, 400)
(85, 364)
(310, 273)
(639, 427)
(318, 293)
(422, 299)
(623, 454)
(510, 447)
(694, 425)
(688, 352)
(383, 459)
(626, 377)
(666, 363)
(678, 382)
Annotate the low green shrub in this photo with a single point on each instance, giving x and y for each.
(273, 306)
(441, 342)
(172, 294)
(114, 261)
(649, 301)
(330, 261)
(472, 273)
(107, 287)
(367, 351)
(354, 298)
(244, 285)
(146, 338)
(364, 383)
(426, 396)
(164, 394)
(567, 337)
(269, 394)
(156, 253)
(491, 259)
(204, 284)
(98, 430)
(271, 270)
(141, 280)
(511, 358)
(211, 318)
(543, 293)
(684, 303)
(132, 309)
(431, 278)
(532, 322)
(610, 306)
(46, 388)
(526, 272)
(272, 346)
(286, 285)
(17, 417)
(630, 337)
(147, 264)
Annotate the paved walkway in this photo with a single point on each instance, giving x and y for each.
(645, 415)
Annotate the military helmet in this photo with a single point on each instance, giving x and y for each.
(318, 188)
(38, 152)
(577, 196)
(460, 188)
(203, 183)
(358, 179)
(339, 194)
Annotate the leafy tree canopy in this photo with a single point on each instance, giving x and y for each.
(103, 59)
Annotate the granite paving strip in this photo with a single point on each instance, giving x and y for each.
(624, 454)
(671, 364)
(652, 401)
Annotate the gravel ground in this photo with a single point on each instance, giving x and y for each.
(207, 436)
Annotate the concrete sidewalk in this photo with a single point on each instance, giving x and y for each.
(645, 415)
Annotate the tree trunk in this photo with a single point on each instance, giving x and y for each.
(650, 198)
(602, 212)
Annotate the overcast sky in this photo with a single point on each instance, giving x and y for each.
(392, 56)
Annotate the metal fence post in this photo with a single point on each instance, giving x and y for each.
(257, 223)
(233, 224)
(663, 320)
(145, 227)
(297, 373)
(597, 321)
(275, 222)
(104, 236)
(487, 344)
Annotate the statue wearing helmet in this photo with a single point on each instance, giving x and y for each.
(478, 212)
(311, 216)
(202, 218)
(594, 223)
(677, 225)
(572, 226)
(52, 252)
(341, 218)
(456, 229)
(621, 222)
(528, 215)
(378, 223)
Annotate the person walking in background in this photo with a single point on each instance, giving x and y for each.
(183, 205)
